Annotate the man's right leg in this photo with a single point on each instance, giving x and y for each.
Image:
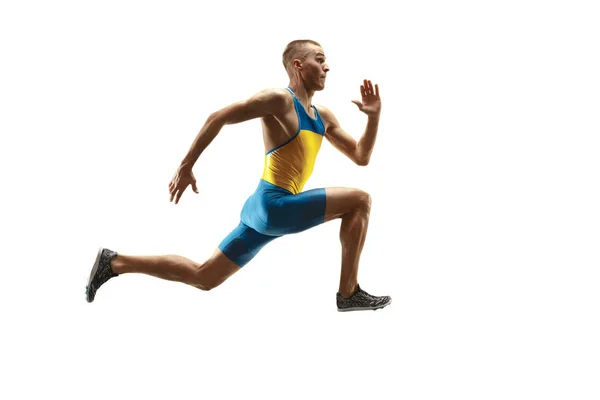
(205, 276)
(235, 251)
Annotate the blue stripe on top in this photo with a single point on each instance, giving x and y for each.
(307, 122)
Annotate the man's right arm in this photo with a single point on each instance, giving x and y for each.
(264, 103)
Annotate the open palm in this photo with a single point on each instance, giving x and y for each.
(371, 102)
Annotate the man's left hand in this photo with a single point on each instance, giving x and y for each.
(371, 102)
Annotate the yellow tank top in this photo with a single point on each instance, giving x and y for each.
(290, 164)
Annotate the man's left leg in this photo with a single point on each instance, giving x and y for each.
(353, 206)
(295, 213)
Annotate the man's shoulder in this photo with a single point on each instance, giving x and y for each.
(276, 94)
(272, 101)
(277, 100)
(324, 111)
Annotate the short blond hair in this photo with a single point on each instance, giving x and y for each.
(296, 49)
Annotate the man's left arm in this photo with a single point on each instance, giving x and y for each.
(359, 152)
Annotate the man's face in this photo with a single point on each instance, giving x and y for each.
(314, 68)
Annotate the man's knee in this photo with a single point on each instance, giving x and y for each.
(346, 201)
(200, 279)
(363, 201)
(206, 282)
(206, 278)
(214, 271)
(206, 286)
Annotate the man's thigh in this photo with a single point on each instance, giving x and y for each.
(297, 213)
(243, 243)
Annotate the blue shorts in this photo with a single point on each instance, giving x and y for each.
(271, 212)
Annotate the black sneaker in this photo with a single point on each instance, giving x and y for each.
(101, 272)
(361, 300)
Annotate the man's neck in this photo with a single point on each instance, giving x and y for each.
(305, 96)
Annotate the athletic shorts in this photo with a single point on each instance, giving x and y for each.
(271, 212)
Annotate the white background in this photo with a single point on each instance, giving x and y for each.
(484, 227)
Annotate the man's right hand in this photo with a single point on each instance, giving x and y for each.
(183, 177)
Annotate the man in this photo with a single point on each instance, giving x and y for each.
(293, 129)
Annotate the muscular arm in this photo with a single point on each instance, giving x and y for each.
(266, 102)
(358, 151)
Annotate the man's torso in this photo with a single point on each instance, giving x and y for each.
(292, 141)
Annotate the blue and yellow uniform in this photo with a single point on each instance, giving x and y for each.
(278, 206)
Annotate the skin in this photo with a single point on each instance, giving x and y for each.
(275, 108)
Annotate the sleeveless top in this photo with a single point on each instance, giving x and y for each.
(290, 164)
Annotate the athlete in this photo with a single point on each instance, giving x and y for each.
(293, 130)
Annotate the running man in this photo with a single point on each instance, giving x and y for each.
(293, 130)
